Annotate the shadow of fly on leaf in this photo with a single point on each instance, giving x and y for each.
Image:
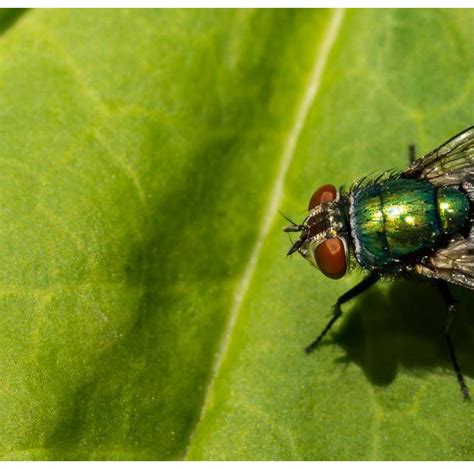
(402, 327)
(411, 224)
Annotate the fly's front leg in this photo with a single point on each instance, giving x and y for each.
(355, 291)
(450, 303)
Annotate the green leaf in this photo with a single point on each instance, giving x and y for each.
(148, 310)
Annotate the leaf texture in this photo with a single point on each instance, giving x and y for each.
(148, 311)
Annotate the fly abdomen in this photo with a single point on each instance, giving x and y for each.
(400, 217)
(453, 209)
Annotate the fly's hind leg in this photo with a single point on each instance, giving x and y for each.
(355, 291)
(450, 303)
(411, 153)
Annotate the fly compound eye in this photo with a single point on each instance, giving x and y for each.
(330, 256)
(326, 193)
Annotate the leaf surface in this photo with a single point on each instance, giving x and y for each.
(148, 311)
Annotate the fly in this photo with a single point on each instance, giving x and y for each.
(415, 223)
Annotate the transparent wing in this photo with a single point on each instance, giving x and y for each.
(455, 263)
(449, 164)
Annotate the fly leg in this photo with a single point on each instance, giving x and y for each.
(450, 303)
(411, 153)
(355, 291)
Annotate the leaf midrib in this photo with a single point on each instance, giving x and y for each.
(322, 52)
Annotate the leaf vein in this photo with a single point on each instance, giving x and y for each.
(94, 96)
(315, 77)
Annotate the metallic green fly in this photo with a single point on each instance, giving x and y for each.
(415, 223)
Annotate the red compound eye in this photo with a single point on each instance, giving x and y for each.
(330, 256)
(326, 193)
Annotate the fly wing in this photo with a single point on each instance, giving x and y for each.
(449, 164)
(455, 263)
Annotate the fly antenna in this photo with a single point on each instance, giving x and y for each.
(287, 218)
(294, 227)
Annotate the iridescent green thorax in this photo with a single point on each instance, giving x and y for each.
(400, 217)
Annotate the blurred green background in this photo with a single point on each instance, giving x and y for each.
(147, 307)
